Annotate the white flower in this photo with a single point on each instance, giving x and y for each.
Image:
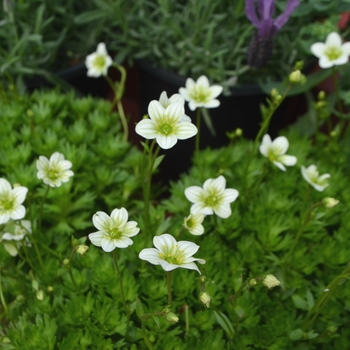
(170, 254)
(98, 62)
(15, 235)
(165, 124)
(270, 281)
(176, 98)
(332, 52)
(54, 171)
(275, 151)
(114, 231)
(200, 93)
(311, 175)
(212, 198)
(11, 201)
(193, 223)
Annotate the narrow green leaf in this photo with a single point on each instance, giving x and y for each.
(225, 323)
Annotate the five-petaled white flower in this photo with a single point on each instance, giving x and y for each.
(332, 52)
(11, 201)
(193, 223)
(165, 124)
(176, 98)
(200, 93)
(14, 235)
(212, 198)
(275, 151)
(114, 231)
(98, 62)
(311, 175)
(54, 171)
(170, 254)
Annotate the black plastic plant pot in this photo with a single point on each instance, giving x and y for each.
(239, 110)
(73, 77)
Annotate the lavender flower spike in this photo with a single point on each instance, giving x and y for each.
(261, 45)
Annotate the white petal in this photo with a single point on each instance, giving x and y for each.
(318, 49)
(175, 111)
(177, 98)
(163, 99)
(280, 145)
(18, 213)
(230, 195)
(223, 210)
(203, 82)
(333, 39)
(190, 266)
(119, 216)
(184, 131)
(218, 184)
(197, 230)
(184, 93)
(192, 105)
(280, 165)
(215, 90)
(189, 248)
(107, 245)
(11, 249)
(164, 240)
(147, 129)
(324, 62)
(168, 267)
(346, 48)
(166, 142)
(155, 110)
(5, 186)
(101, 49)
(194, 193)
(101, 220)
(96, 238)
(288, 160)
(211, 104)
(201, 208)
(20, 193)
(4, 218)
(123, 242)
(190, 84)
(151, 255)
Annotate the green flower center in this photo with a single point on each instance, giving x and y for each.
(115, 233)
(200, 94)
(173, 256)
(53, 174)
(271, 155)
(190, 223)
(333, 52)
(212, 201)
(7, 202)
(165, 128)
(99, 62)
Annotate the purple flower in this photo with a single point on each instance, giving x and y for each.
(260, 47)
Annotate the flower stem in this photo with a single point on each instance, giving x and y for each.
(299, 233)
(118, 90)
(3, 302)
(324, 298)
(198, 122)
(144, 333)
(168, 282)
(41, 207)
(187, 320)
(120, 277)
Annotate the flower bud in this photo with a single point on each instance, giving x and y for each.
(329, 202)
(299, 65)
(203, 279)
(66, 262)
(205, 299)
(321, 95)
(239, 132)
(40, 294)
(294, 77)
(270, 281)
(82, 249)
(253, 282)
(171, 317)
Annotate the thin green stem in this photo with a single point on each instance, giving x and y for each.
(168, 282)
(3, 302)
(336, 87)
(118, 90)
(41, 207)
(301, 230)
(324, 298)
(187, 320)
(198, 124)
(145, 336)
(120, 277)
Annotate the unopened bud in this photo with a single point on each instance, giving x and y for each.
(294, 77)
(82, 249)
(270, 281)
(299, 65)
(49, 289)
(66, 262)
(239, 132)
(40, 294)
(205, 299)
(203, 279)
(274, 92)
(171, 317)
(321, 95)
(253, 282)
(329, 202)
(333, 133)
